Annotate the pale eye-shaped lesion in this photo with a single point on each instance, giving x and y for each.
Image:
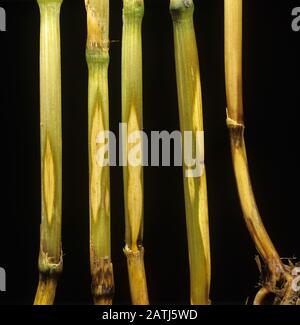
(49, 181)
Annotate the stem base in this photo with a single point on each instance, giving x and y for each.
(137, 276)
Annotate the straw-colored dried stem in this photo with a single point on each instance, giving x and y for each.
(276, 277)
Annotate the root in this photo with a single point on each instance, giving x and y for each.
(279, 290)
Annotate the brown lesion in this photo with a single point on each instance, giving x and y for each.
(102, 279)
(279, 292)
(50, 270)
(236, 131)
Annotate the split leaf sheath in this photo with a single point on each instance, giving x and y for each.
(191, 120)
(97, 56)
(50, 258)
(132, 115)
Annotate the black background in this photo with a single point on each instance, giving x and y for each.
(271, 95)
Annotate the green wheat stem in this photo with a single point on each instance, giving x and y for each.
(191, 119)
(50, 258)
(132, 115)
(97, 57)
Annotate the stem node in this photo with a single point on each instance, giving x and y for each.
(137, 277)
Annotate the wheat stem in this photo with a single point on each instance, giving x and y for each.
(50, 258)
(97, 57)
(277, 279)
(132, 115)
(191, 120)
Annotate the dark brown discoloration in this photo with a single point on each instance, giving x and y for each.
(102, 279)
(236, 132)
(272, 268)
(50, 271)
(280, 292)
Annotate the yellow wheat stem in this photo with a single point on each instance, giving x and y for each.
(277, 279)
